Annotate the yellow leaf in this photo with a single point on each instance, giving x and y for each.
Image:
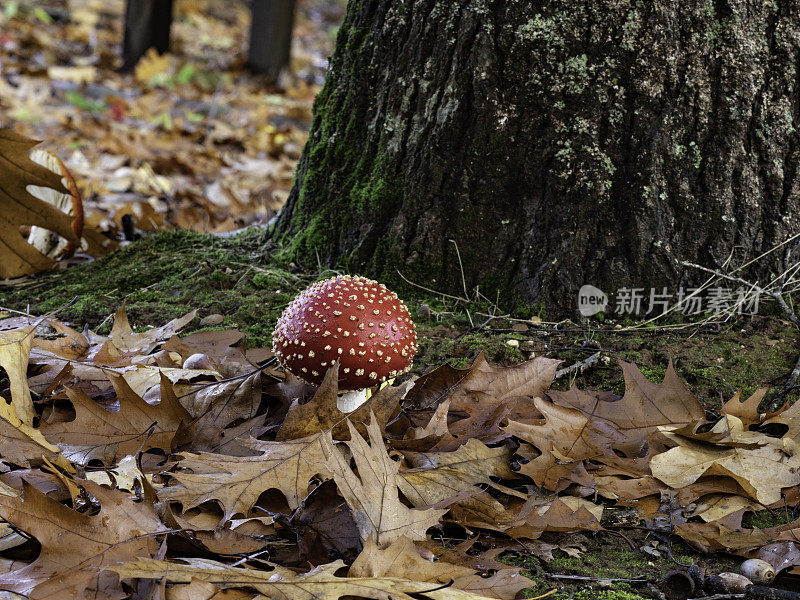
(15, 350)
(151, 65)
(762, 471)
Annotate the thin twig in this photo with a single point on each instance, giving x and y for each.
(461, 267)
(775, 294)
(640, 579)
(250, 556)
(427, 289)
(545, 595)
(205, 384)
(580, 366)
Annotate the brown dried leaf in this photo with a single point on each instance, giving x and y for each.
(283, 584)
(72, 344)
(746, 410)
(97, 433)
(372, 493)
(15, 348)
(75, 546)
(437, 476)
(761, 471)
(237, 482)
(23, 446)
(482, 386)
(644, 407)
(19, 208)
(402, 559)
(322, 413)
(125, 340)
(481, 396)
(566, 513)
(565, 437)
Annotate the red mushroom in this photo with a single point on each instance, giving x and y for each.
(354, 320)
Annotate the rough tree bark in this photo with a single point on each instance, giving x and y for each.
(557, 142)
(271, 37)
(147, 25)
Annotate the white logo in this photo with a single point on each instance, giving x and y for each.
(591, 301)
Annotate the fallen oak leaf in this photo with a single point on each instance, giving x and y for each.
(726, 534)
(762, 471)
(202, 435)
(237, 482)
(475, 461)
(565, 438)
(644, 406)
(320, 583)
(429, 436)
(626, 489)
(402, 559)
(76, 546)
(19, 207)
(453, 477)
(372, 494)
(322, 413)
(481, 386)
(790, 417)
(125, 340)
(747, 410)
(97, 433)
(23, 446)
(481, 397)
(566, 513)
(15, 349)
(71, 345)
(717, 506)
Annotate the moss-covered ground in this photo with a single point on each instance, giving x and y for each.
(169, 274)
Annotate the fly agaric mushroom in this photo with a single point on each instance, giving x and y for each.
(47, 242)
(353, 320)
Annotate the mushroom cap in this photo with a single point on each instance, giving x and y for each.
(354, 320)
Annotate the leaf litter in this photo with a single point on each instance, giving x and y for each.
(189, 140)
(113, 477)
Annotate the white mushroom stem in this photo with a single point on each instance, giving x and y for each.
(349, 401)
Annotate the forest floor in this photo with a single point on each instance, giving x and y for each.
(193, 141)
(233, 282)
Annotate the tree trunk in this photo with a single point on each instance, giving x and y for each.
(552, 144)
(271, 37)
(147, 25)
